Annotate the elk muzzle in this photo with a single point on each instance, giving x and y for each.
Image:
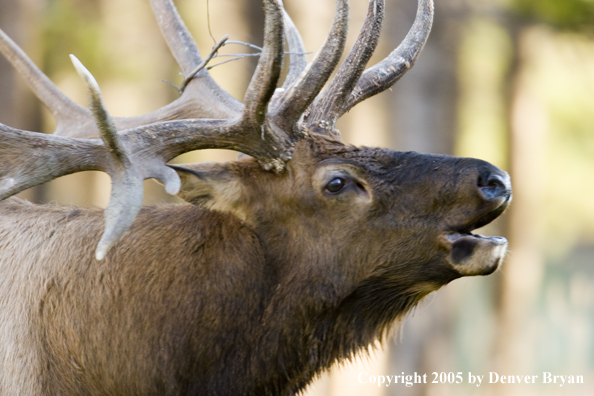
(474, 254)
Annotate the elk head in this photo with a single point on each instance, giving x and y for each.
(300, 180)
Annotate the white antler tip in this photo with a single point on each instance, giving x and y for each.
(85, 74)
(173, 187)
(100, 253)
(170, 180)
(75, 61)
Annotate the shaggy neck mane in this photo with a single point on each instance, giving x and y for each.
(364, 317)
(347, 328)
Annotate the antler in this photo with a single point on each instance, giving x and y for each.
(266, 126)
(297, 97)
(351, 85)
(141, 152)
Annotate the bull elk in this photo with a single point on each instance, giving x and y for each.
(296, 256)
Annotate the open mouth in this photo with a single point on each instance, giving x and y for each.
(474, 254)
(485, 218)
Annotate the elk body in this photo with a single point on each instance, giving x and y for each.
(288, 260)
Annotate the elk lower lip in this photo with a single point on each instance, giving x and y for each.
(474, 254)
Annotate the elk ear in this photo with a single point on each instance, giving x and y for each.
(211, 185)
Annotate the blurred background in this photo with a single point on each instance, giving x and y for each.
(508, 81)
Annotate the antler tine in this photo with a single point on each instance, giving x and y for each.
(186, 53)
(127, 189)
(176, 34)
(387, 72)
(292, 103)
(328, 106)
(265, 78)
(297, 56)
(104, 121)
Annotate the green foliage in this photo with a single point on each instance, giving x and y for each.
(562, 14)
(71, 27)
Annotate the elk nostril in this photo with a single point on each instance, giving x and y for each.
(495, 181)
(493, 186)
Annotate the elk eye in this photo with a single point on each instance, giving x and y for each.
(335, 185)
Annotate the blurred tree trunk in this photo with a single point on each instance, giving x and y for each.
(18, 106)
(521, 277)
